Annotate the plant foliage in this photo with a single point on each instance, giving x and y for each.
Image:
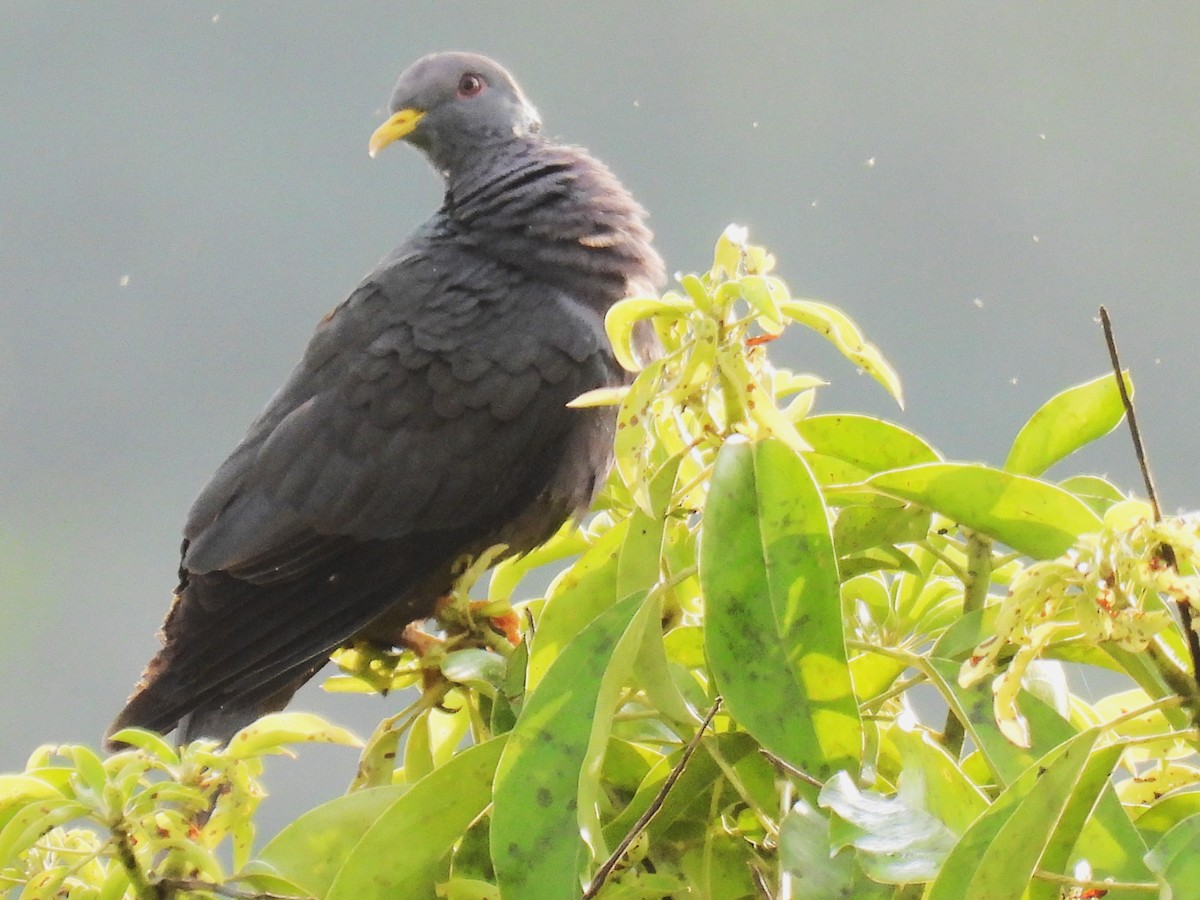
(793, 655)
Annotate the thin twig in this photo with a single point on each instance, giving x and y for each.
(221, 890)
(1165, 551)
(1127, 401)
(788, 769)
(655, 805)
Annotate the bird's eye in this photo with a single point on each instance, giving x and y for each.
(469, 85)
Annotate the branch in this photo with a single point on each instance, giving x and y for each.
(976, 581)
(655, 805)
(1165, 551)
(143, 888)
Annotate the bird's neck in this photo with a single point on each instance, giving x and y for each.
(559, 215)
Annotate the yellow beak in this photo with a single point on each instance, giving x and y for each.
(398, 126)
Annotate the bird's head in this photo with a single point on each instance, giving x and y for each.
(450, 105)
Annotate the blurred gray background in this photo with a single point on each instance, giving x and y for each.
(185, 191)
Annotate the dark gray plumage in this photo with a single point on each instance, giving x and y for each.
(426, 421)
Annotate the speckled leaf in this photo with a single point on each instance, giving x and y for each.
(556, 743)
(1030, 516)
(841, 331)
(406, 850)
(773, 630)
(1066, 422)
(274, 732)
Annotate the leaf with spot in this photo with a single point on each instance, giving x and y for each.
(773, 631)
(554, 755)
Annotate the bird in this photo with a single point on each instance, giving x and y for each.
(427, 422)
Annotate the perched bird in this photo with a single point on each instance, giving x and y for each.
(427, 421)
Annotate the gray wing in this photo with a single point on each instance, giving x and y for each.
(428, 412)
(427, 402)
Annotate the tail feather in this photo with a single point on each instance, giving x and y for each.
(234, 650)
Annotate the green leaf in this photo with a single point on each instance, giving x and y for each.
(149, 742)
(878, 525)
(622, 560)
(1031, 516)
(554, 748)
(1098, 493)
(931, 773)
(998, 855)
(839, 330)
(1175, 859)
(310, 851)
(806, 855)
(1107, 839)
(31, 821)
(476, 668)
(773, 614)
(654, 673)
(406, 850)
(898, 839)
(1066, 422)
(850, 447)
(694, 787)
(273, 732)
(1167, 812)
(18, 791)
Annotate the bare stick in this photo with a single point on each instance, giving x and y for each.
(1165, 551)
(644, 819)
